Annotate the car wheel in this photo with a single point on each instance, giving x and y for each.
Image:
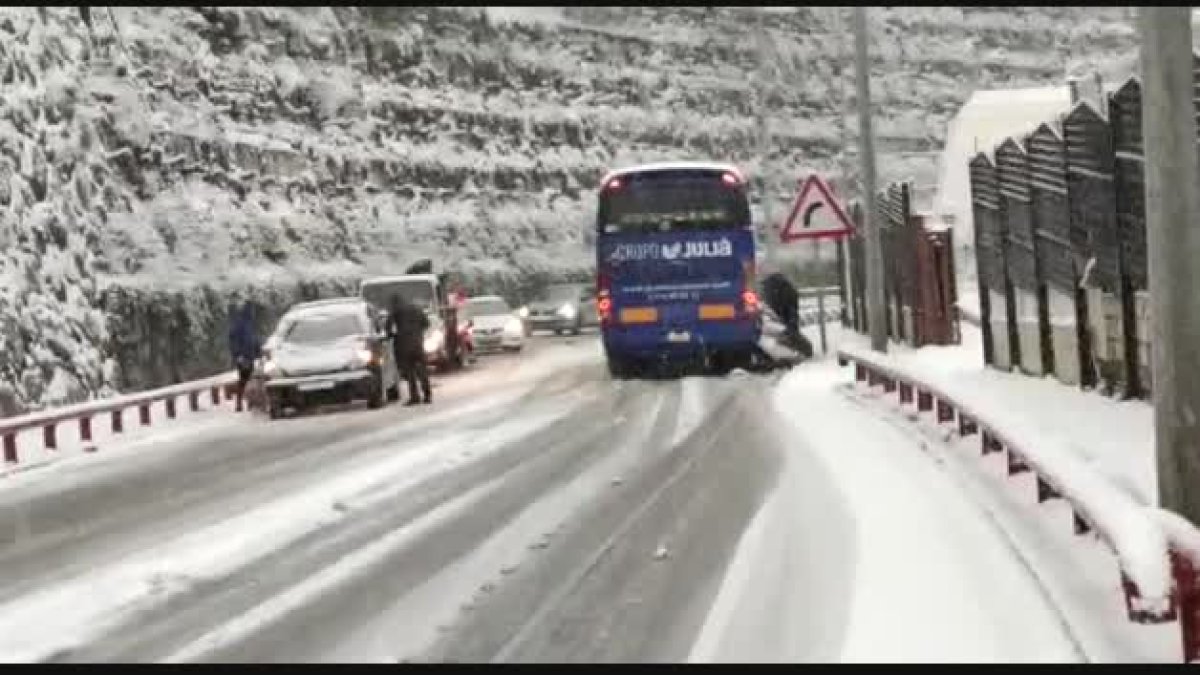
(578, 327)
(375, 398)
(274, 407)
(393, 393)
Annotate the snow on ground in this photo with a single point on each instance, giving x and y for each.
(35, 462)
(1079, 572)
(436, 602)
(868, 553)
(67, 614)
(953, 589)
(489, 384)
(328, 578)
(1115, 437)
(691, 409)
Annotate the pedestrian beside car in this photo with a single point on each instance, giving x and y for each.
(407, 324)
(244, 348)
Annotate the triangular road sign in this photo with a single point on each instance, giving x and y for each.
(816, 214)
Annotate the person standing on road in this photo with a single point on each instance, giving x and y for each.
(783, 299)
(244, 347)
(407, 324)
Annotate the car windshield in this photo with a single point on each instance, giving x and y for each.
(415, 291)
(560, 293)
(322, 328)
(489, 307)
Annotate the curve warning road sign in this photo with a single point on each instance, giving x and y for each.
(816, 214)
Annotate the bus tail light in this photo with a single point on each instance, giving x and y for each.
(603, 299)
(730, 179)
(604, 309)
(750, 300)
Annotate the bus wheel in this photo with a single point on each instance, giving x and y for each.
(739, 359)
(619, 368)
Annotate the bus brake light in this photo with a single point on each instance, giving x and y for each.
(730, 179)
(604, 308)
(750, 298)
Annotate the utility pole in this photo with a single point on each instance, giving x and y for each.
(763, 82)
(876, 316)
(1172, 217)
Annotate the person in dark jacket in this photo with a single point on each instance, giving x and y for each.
(783, 299)
(244, 347)
(407, 324)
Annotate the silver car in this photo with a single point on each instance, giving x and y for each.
(562, 308)
(331, 351)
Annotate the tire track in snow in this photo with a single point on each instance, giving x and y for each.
(137, 607)
(527, 466)
(415, 622)
(83, 525)
(601, 592)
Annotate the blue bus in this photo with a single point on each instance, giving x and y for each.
(675, 265)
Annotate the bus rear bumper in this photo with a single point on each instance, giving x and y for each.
(682, 342)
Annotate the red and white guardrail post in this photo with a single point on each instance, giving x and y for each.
(49, 421)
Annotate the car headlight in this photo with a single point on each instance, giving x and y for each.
(433, 342)
(270, 368)
(514, 326)
(523, 312)
(365, 356)
(567, 311)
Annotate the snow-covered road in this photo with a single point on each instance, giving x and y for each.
(538, 512)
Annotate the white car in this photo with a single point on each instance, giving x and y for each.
(493, 324)
(329, 351)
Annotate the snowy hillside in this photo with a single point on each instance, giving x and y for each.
(156, 161)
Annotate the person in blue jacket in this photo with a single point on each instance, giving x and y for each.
(244, 347)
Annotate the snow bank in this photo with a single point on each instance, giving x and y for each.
(1134, 536)
(865, 552)
(1115, 437)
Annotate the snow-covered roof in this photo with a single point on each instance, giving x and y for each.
(1008, 99)
(983, 122)
(330, 306)
(673, 166)
(431, 278)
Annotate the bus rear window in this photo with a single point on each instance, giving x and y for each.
(672, 201)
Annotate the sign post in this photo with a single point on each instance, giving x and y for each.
(820, 295)
(817, 215)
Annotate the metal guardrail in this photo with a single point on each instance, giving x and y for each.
(49, 421)
(1165, 537)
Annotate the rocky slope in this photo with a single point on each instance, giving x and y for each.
(156, 162)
